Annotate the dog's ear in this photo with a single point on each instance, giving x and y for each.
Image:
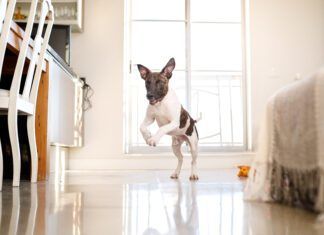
(143, 71)
(167, 70)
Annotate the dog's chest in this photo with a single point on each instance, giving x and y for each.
(162, 115)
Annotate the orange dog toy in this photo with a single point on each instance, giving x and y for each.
(244, 171)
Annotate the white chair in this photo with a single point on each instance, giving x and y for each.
(7, 9)
(25, 104)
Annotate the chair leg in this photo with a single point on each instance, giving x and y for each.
(1, 168)
(33, 147)
(14, 140)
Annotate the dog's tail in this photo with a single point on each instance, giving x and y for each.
(199, 118)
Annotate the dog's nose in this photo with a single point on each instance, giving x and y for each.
(149, 96)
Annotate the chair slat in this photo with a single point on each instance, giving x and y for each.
(6, 14)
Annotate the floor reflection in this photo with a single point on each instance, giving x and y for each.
(270, 218)
(145, 203)
(183, 208)
(18, 210)
(37, 209)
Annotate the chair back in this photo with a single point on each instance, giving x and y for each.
(33, 77)
(3, 8)
(7, 9)
(38, 52)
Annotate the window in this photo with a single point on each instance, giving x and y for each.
(205, 38)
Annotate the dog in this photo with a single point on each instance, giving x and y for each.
(164, 108)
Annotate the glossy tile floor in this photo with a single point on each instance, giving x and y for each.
(145, 202)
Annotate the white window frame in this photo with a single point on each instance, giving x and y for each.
(128, 67)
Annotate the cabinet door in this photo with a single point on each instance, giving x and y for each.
(61, 105)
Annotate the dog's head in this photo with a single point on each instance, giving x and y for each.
(157, 83)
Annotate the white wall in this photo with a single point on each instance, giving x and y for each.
(97, 54)
(287, 37)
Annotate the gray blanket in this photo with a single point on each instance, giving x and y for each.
(289, 166)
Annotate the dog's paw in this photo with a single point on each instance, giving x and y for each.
(174, 176)
(194, 177)
(153, 141)
(147, 141)
(147, 137)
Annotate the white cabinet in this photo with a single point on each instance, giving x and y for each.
(67, 12)
(64, 112)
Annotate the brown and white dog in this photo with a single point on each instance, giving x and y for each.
(164, 108)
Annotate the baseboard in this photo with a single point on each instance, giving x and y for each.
(159, 162)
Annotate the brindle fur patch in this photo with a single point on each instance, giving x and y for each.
(183, 121)
(190, 127)
(183, 117)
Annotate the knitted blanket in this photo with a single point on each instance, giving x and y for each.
(289, 165)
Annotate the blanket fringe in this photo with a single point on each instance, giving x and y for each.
(295, 187)
(320, 201)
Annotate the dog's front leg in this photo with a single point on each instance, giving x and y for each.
(144, 128)
(154, 140)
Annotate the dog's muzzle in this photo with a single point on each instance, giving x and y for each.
(152, 100)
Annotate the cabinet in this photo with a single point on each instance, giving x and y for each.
(65, 107)
(67, 12)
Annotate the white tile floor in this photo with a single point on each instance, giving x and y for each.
(145, 202)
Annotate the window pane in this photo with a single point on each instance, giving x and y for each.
(237, 110)
(178, 84)
(216, 10)
(154, 43)
(216, 46)
(158, 9)
(218, 97)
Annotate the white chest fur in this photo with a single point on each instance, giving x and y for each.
(168, 111)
